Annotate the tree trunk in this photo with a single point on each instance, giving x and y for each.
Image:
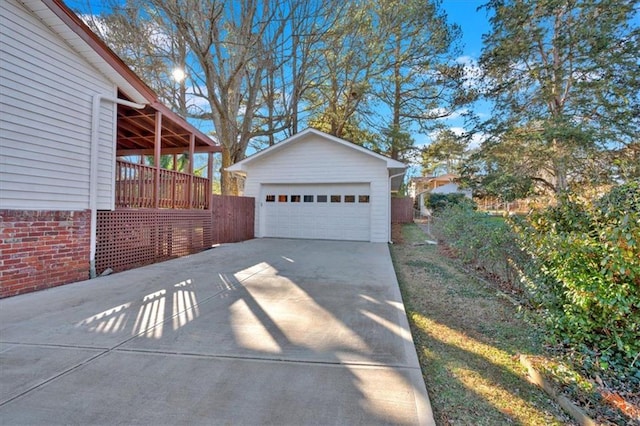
(561, 175)
(397, 99)
(226, 178)
(560, 168)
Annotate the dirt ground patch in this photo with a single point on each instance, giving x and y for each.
(396, 233)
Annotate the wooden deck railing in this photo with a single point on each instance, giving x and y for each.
(135, 184)
(201, 195)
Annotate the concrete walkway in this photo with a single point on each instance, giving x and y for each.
(262, 332)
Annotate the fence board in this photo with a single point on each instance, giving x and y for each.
(401, 210)
(233, 218)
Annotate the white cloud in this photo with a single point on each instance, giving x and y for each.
(475, 140)
(589, 76)
(436, 112)
(458, 131)
(194, 99)
(441, 113)
(472, 71)
(466, 60)
(95, 21)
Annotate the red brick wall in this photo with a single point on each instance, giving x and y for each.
(42, 249)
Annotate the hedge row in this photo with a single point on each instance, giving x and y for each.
(578, 263)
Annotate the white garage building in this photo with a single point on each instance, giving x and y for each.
(314, 185)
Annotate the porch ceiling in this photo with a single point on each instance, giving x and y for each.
(136, 132)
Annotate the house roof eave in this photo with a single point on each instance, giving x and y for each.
(206, 140)
(64, 22)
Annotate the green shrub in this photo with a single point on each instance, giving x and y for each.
(483, 241)
(439, 202)
(578, 263)
(584, 271)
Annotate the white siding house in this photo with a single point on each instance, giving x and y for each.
(46, 94)
(317, 186)
(68, 106)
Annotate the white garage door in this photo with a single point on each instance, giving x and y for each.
(318, 211)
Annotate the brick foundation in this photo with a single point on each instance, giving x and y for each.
(42, 249)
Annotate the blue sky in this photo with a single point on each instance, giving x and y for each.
(473, 23)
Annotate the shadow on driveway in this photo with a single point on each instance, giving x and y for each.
(262, 332)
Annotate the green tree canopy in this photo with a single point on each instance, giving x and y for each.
(419, 80)
(370, 71)
(564, 78)
(444, 154)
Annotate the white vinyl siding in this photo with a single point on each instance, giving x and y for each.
(46, 92)
(316, 160)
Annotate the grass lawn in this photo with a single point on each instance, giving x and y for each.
(468, 340)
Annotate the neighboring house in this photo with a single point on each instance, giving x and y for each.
(71, 115)
(451, 188)
(421, 184)
(417, 185)
(421, 187)
(314, 185)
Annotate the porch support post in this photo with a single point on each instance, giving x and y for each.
(192, 148)
(174, 182)
(157, 145)
(209, 190)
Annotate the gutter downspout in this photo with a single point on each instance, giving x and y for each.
(93, 171)
(391, 177)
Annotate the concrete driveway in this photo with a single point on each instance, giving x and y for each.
(262, 332)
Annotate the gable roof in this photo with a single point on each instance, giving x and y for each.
(449, 177)
(67, 25)
(442, 178)
(240, 166)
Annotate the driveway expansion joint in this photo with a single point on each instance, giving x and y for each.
(264, 359)
(54, 377)
(55, 345)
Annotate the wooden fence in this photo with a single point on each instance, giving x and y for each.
(233, 218)
(129, 238)
(401, 210)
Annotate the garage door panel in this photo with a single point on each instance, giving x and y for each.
(316, 219)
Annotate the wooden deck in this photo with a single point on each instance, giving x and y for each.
(136, 188)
